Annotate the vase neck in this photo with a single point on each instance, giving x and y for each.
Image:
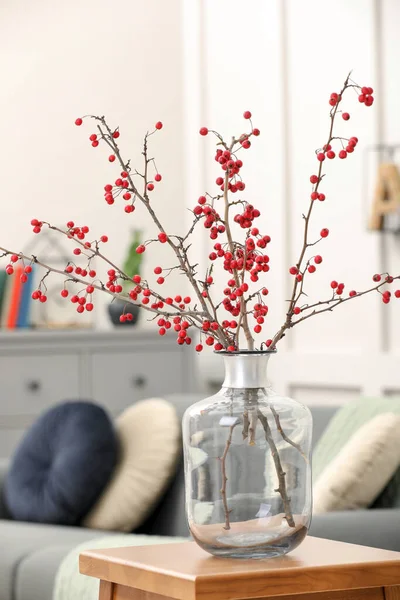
(246, 370)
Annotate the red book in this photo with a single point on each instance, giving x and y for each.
(16, 294)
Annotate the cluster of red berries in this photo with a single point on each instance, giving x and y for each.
(37, 225)
(246, 218)
(10, 268)
(211, 217)
(338, 288)
(38, 295)
(232, 166)
(366, 96)
(327, 152)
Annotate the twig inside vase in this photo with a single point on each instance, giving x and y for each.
(225, 478)
(284, 436)
(278, 466)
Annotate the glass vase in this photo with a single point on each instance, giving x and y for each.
(247, 465)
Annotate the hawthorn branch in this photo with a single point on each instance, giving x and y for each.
(279, 471)
(335, 301)
(288, 322)
(178, 249)
(284, 436)
(224, 476)
(195, 314)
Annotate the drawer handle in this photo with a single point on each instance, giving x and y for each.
(33, 386)
(139, 381)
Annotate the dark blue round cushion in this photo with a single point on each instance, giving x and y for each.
(62, 465)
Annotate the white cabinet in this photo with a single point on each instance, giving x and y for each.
(114, 369)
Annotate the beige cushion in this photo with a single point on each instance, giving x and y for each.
(150, 438)
(362, 468)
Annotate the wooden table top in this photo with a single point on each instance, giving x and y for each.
(186, 572)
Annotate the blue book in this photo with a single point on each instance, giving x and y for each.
(26, 300)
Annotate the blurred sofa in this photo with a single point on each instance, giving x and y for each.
(31, 553)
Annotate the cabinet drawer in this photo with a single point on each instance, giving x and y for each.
(120, 379)
(32, 383)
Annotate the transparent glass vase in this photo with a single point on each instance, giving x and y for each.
(247, 465)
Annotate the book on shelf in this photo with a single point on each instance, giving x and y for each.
(15, 297)
(24, 313)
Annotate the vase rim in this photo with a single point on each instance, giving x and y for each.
(245, 352)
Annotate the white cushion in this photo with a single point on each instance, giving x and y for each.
(361, 470)
(149, 433)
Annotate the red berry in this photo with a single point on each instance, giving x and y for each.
(257, 328)
(37, 229)
(352, 293)
(93, 137)
(318, 259)
(111, 158)
(314, 196)
(127, 196)
(158, 125)
(246, 144)
(199, 348)
(247, 114)
(334, 284)
(324, 232)
(42, 298)
(330, 154)
(77, 251)
(293, 270)
(202, 200)
(24, 278)
(115, 135)
(95, 144)
(157, 177)
(104, 239)
(296, 310)
(299, 277)
(311, 269)
(187, 299)
(256, 132)
(89, 306)
(342, 154)
(64, 293)
(376, 278)
(314, 179)
(162, 237)
(162, 331)
(140, 249)
(361, 98)
(28, 269)
(150, 187)
(13, 258)
(321, 156)
(397, 293)
(321, 197)
(369, 100)
(78, 121)
(203, 131)
(160, 280)
(345, 116)
(219, 181)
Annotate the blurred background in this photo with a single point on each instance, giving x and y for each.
(199, 63)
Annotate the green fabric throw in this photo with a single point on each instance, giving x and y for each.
(345, 423)
(71, 585)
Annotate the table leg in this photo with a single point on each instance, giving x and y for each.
(106, 590)
(392, 592)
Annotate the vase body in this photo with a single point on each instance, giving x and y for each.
(247, 465)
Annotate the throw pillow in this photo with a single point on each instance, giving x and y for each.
(362, 468)
(150, 439)
(344, 424)
(62, 465)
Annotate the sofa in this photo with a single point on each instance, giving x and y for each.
(31, 553)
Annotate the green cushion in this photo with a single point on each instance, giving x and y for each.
(344, 423)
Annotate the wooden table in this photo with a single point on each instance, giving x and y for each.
(317, 570)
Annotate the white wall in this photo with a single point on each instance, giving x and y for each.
(60, 60)
(281, 59)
